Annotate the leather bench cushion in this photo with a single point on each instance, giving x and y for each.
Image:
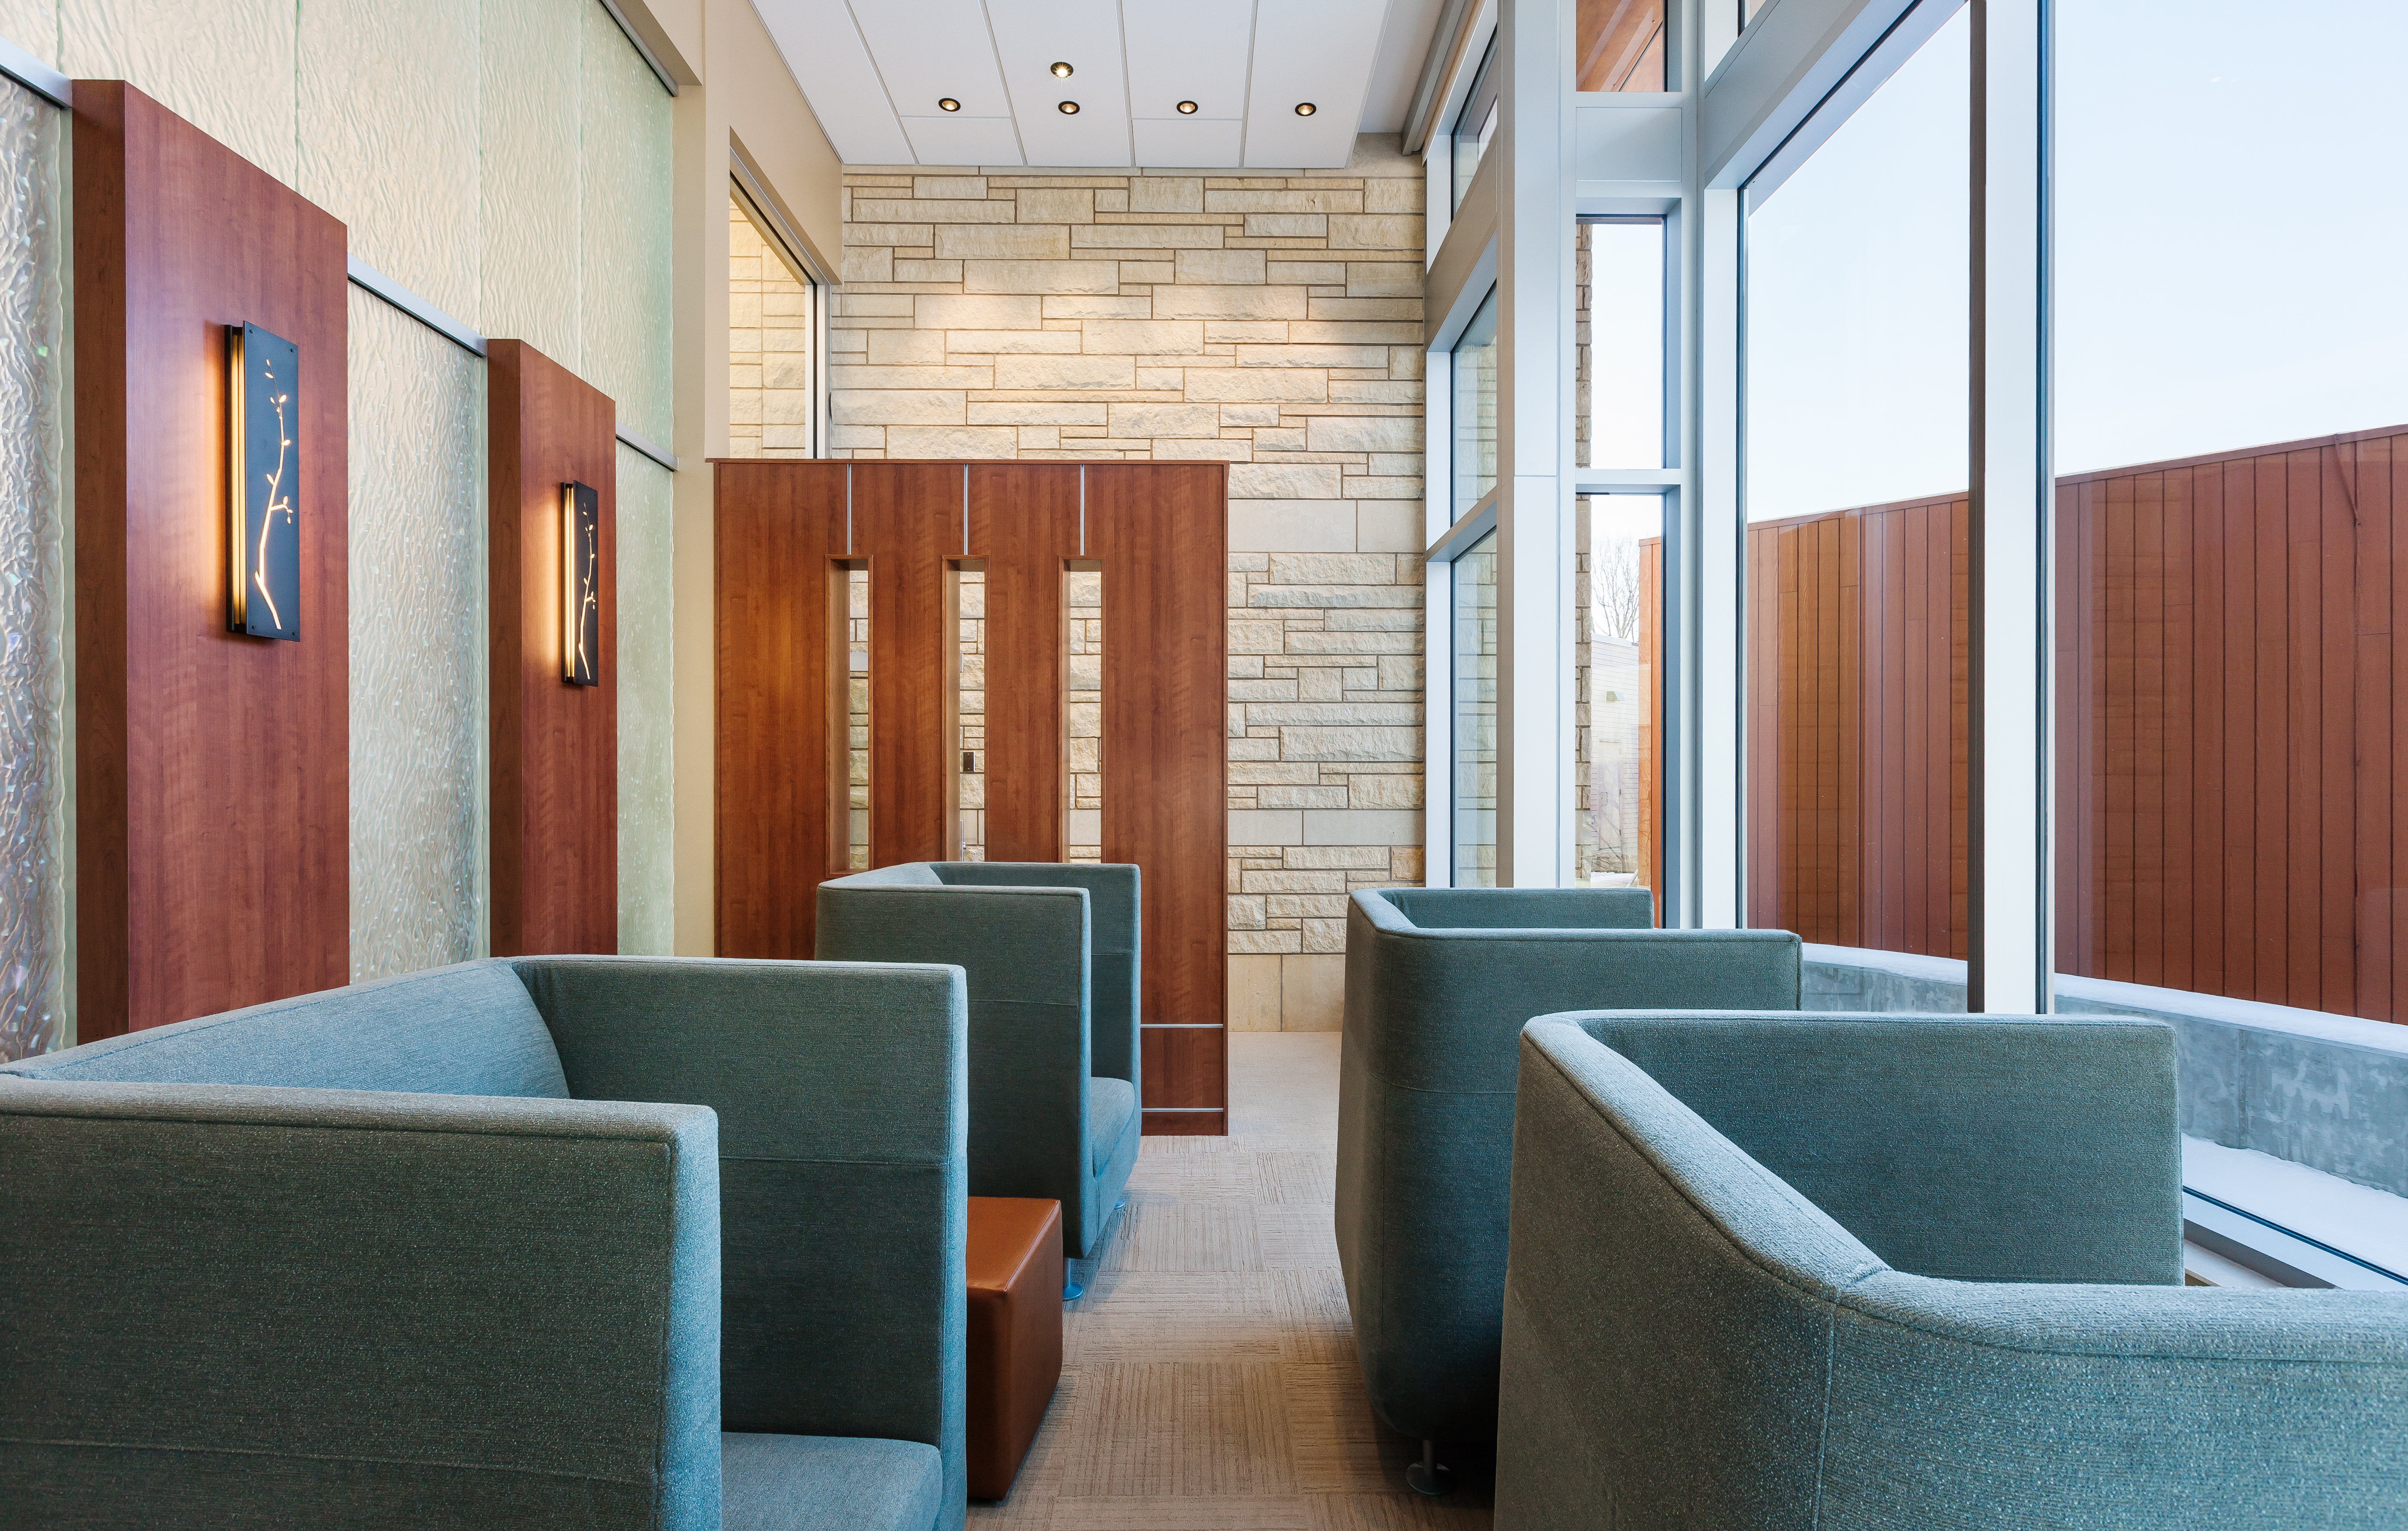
(1015, 1333)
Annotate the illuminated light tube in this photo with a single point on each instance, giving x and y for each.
(263, 483)
(580, 585)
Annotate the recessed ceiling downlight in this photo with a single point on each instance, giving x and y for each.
(948, 103)
(1062, 71)
(1069, 109)
(1187, 109)
(1306, 108)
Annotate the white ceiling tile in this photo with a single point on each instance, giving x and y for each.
(929, 50)
(1190, 50)
(1323, 54)
(1188, 143)
(964, 140)
(1031, 35)
(819, 38)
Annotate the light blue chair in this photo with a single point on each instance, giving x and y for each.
(1439, 982)
(503, 1245)
(1051, 951)
(1886, 1273)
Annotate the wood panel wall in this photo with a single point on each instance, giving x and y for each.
(555, 745)
(1158, 531)
(1856, 739)
(780, 813)
(2233, 677)
(212, 779)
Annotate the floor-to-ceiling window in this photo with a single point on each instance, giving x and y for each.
(2232, 621)
(1854, 419)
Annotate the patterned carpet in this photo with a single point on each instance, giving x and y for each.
(1209, 1378)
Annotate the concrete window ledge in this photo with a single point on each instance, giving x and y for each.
(2295, 1123)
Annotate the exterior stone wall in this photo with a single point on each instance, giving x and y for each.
(1270, 320)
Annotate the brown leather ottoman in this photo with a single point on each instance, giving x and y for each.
(1016, 1339)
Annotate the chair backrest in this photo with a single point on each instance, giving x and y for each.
(1115, 937)
(467, 1030)
(1524, 908)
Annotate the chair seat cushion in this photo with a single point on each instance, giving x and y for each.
(1112, 1103)
(827, 1483)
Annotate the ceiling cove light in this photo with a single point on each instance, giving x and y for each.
(1062, 71)
(580, 585)
(262, 474)
(1068, 109)
(1306, 108)
(948, 103)
(1187, 109)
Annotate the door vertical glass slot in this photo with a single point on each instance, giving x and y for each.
(1082, 712)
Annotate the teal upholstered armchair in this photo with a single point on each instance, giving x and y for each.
(503, 1245)
(1901, 1272)
(1439, 982)
(1051, 951)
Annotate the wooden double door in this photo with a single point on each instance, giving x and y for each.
(795, 541)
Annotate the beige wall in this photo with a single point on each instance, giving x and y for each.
(1272, 320)
(746, 104)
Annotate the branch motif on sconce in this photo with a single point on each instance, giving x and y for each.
(580, 585)
(263, 469)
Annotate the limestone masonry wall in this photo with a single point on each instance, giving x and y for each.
(1272, 321)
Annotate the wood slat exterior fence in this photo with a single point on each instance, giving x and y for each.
(2230, 718)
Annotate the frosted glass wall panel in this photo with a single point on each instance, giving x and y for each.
(646, 701)
(627, 165)
(389, 137)
(418, 661)
(226, 66)
(32, 25)
(532, 184)
(34, 783)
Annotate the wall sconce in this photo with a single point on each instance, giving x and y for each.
(580, 585)
(263, 475)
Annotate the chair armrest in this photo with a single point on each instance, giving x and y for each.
(312, 1306)
(840, 1090)
(1978, 1148)
(1115, 939)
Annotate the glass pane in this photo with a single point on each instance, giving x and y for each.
(1475, 410)
(769, 334)
(1621, 45)
(1617, 610)
(856, 584)
(1618, 350)
(1476, 126)
(1856, 430)
(1082, 714)
(1475, 716)
(2232, 671)
(34, 783)
(969, 712)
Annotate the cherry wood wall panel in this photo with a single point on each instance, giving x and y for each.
(908, 522)
(555, 746)
(780, 801)
(2230, 722)
(212, 775)
(1857, 693)
(1025, 526)
(1161, 532)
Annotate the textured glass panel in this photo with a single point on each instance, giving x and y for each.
(647, 806)
(226, 66)
(628, 167)
(389, 137)
(33, 1016)
(530, 173)
(32, 25)
(418, 661)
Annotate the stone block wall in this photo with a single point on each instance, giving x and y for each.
(1272, 321)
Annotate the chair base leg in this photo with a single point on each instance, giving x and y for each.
(1431, 1476)
(1072, 1292)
